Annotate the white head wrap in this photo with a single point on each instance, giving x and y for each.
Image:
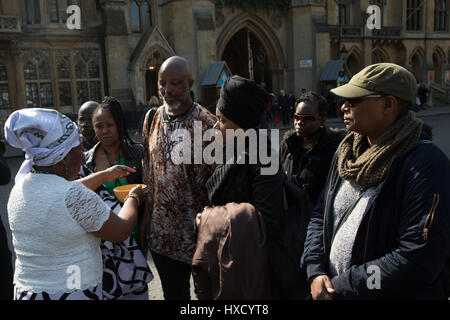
(46, 136)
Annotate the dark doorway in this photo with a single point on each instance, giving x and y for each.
(237, 58)
(151, 83)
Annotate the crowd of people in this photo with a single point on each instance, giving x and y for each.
(373, 201)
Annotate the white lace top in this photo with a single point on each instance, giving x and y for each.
(51, 221)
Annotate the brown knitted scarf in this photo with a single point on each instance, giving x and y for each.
(367, 165)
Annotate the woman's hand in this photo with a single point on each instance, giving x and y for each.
(139, 192)
(322, 288)
(116, 172)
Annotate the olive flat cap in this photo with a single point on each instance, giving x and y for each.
(380, 78)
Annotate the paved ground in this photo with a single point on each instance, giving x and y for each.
(438, 118)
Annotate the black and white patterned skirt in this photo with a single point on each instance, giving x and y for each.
(91, 293)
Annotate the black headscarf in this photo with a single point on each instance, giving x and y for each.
(243, 102)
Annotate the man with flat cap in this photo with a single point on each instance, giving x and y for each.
(380, 229)
(176, 191)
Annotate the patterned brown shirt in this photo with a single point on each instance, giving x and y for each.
(176, 192)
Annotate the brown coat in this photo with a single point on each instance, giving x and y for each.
(230, 261)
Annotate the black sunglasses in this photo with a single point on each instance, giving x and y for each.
(303, 118)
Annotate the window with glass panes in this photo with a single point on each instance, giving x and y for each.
(57, 10)
(4, 88)
(140, 16)
(440, 15)
(76, 72)
(414, 15)
(88, 75)
(33, 12)
(38, 82)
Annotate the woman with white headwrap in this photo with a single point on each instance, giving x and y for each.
(57, 223)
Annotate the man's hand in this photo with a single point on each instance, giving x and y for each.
(322, 288)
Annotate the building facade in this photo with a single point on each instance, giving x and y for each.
(122, 43)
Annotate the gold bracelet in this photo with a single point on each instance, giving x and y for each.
(134, 196)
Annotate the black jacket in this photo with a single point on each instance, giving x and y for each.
(404, 232)
(244, 183)
(311, 169)
(133, 159)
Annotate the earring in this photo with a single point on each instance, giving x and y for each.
(67, 172)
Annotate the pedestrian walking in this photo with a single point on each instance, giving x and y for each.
(57, 223)
(380, 228)
(176, 191)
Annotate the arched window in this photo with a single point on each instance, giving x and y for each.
(140, 16)
(135, 17)
(33, 12)
(146, 15)
(88, 77)
(37, 75)
(440, 15)
(4, 89)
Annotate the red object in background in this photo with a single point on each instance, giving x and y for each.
(277, 119)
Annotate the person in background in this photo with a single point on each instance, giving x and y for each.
(85, 124)
(380, 229)
(422, 93)
(306, 152)
(126, 272)
(152, 103)
(56, 222)
(6, 271)
(283, 102)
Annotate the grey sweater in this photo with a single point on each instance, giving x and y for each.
(341, 248)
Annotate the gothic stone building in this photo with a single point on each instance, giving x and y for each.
(122, 43)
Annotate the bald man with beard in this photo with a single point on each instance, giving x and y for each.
(176, 192)
(85, 124)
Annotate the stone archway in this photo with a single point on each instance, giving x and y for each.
(354, 61)
(380, 55)
(265, 44)
(154, 59)
(439, 64)
(151, 50)
(416, 63)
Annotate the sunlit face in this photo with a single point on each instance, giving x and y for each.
(223, 123)
(307, 120)
(105, 128)
(174, 87)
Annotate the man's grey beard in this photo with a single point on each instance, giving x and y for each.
(172, 108)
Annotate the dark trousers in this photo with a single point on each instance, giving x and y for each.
(175, 277)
